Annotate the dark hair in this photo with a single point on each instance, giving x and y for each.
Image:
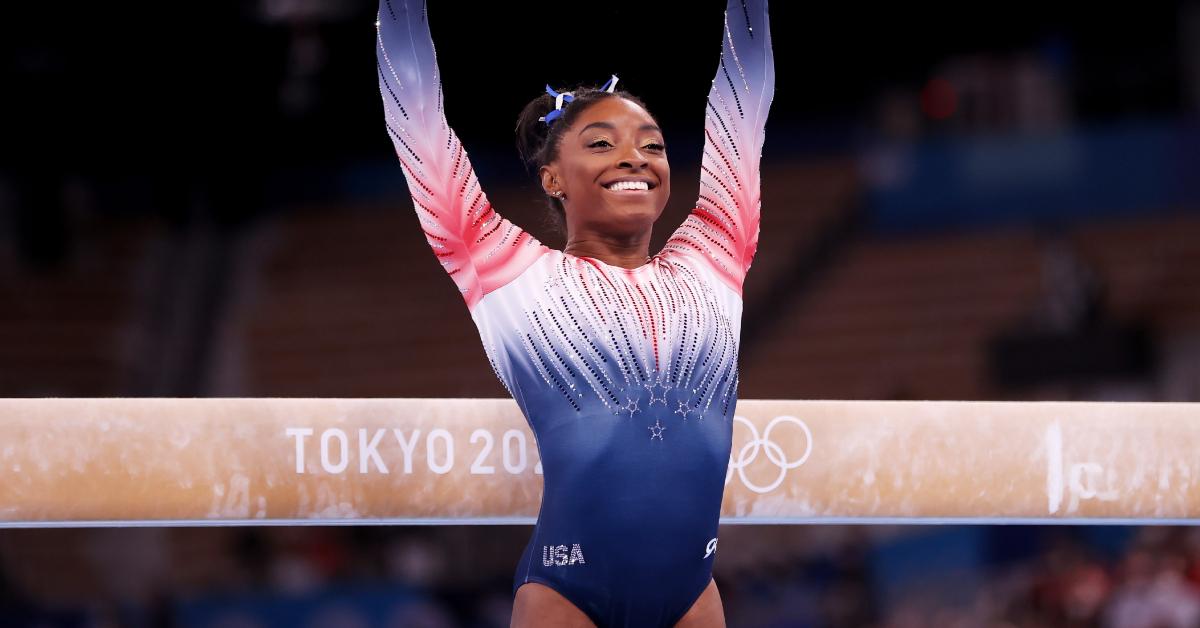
(537, 142)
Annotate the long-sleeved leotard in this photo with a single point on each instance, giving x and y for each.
(628, 377)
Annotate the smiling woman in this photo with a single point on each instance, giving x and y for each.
(624, 365)
(616, 147)
(614, 181)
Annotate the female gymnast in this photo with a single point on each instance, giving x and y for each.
(624, 364)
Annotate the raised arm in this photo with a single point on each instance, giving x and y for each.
(723, 228)
(478, 248)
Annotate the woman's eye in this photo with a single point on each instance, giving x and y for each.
(605, 143)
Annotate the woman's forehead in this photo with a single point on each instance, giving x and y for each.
(617, 111)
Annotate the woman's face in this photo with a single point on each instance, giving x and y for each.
(611, 168)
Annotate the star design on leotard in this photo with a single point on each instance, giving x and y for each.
(656, 430)
(684, 409)
(631, 406)
(653, 397)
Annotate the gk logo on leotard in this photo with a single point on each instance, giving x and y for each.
(557, 555)
(712, 547)
(749, 452)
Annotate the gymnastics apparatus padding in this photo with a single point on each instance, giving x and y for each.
(79, 462)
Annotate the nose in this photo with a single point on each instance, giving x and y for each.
(633, 158)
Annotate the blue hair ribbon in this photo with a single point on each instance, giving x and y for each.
(564, 98)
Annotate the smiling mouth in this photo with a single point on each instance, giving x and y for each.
(629, 186)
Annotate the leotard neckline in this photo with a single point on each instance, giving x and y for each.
(649, 263)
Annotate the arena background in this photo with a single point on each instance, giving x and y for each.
(992, 201)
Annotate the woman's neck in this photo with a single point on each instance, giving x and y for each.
(630, 253)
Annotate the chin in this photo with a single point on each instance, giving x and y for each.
(635, 212)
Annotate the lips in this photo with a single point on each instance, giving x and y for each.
(648, 183)
(630, 193)
(630, 185)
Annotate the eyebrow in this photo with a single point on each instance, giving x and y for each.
(610, 126)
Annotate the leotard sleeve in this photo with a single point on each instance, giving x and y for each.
(723, 228)
(480, 250)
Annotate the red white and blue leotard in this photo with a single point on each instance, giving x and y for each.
(628, 377)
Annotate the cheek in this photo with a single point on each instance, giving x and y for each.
(582, 175)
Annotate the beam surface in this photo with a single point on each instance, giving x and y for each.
(475, 461)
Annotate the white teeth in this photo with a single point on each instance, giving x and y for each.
(629, 185)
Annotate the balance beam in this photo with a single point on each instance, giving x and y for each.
(101, 462)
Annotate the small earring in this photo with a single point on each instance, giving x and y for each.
(557, 194)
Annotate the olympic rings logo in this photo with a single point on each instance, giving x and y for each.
(749, 452)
